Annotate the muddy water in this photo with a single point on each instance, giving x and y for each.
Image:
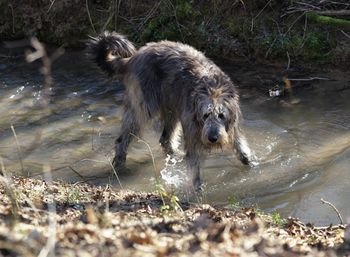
(302, 140)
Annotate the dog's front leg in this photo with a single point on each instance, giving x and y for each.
(168, 138)
(242, 149)
(193, 167)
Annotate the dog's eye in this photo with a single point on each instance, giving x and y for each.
(205, 116)
(221, 116)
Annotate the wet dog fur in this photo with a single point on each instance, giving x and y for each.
(180, 85)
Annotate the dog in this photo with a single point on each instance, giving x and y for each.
(180, 85)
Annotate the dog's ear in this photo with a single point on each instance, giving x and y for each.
(231, 103)
(198, 99)
(196, 108)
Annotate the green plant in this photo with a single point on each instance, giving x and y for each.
(170, 201)
(73, 195)
(234, 203)
(277, 219)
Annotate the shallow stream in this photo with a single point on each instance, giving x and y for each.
(302, 139)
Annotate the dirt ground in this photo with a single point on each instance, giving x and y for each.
(38, 218)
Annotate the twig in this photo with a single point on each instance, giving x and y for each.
(5, 180)
(19, 151)
(10, 56)
(288, 64)
(335, 209)
(31, 56)
(52, 2)
(347, 35)
(150, 151)
(148, 16)
(13, 18)
(92, 138)
(110, 163)
(116, 7)
(283, 35)
(76, 172)
(40, 53)
(88, 12)
(334, 12)
(115, 172)
(106, 198)
(293, 23)
(256, 16)
(49, 248)
(309, 79)
(270, 48)
(177, 21)
(110, 17)
(154, 166)
(309, 5)
(91, 160)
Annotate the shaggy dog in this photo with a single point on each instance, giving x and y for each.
(180, 85)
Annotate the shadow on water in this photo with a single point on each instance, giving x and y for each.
(302, 141)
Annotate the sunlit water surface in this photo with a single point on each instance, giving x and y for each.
(302, 140)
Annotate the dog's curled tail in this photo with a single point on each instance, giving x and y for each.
(109, 51)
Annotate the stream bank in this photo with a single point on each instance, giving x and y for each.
(287, 33)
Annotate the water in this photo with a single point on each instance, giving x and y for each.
(302, 140)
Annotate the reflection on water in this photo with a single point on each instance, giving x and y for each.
(303, 148)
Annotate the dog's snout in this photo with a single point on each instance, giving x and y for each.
(213, 136)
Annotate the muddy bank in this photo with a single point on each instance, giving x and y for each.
(85, 220)
(285, 32)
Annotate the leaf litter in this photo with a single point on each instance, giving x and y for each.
(98, 221)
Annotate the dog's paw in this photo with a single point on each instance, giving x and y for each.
(245, 159)
(250, 159)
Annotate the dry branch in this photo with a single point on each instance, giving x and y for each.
(335, 209)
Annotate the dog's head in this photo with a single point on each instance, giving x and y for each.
(217, 112)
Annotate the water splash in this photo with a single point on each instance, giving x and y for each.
(174, 172)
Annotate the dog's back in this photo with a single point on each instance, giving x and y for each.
(164, 72)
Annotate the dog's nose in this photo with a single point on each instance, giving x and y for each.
(213, 138)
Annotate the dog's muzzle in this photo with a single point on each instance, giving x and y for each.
(213, 135)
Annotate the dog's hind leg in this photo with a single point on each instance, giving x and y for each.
(130, 128)
(170, 135)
